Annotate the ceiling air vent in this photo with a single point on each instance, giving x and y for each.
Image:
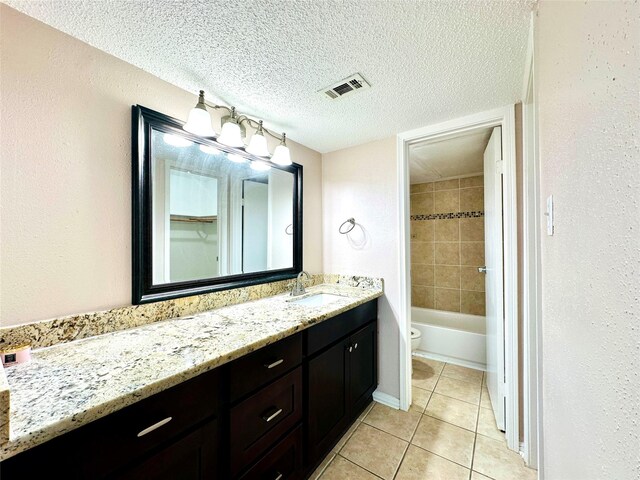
(345, 87)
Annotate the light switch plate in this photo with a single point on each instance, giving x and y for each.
(549, 214)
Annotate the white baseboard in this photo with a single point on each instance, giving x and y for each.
(386, 399)
(452, 360)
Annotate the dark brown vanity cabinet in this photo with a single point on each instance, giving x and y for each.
(341, 376)
(271, 414)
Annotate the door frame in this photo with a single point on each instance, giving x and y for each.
(531, 268)
(500, 117)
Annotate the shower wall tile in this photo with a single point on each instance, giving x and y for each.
(448, 299)
(422, 231)
(472, 302)
(447, 201)
(452, 184)
(471, 279)
(421, 187)
(422, 274)
(472, 199)
(472, 229)
(472, 182)
(422, 252)
(422, 204)
(472, 253)
(448, 276)
(447, 230)
(446, 252)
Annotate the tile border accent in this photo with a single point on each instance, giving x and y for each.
(46, 333)
(447, 216)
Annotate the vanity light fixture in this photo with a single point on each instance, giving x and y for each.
(281, 155)
(258, 144)
(176, 140)
(199, 120)
(199, 123)
(231, 134)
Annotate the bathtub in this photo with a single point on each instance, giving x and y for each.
(452, 337)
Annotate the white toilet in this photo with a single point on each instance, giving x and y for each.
(416, 336)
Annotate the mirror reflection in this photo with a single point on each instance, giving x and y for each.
(216, 213)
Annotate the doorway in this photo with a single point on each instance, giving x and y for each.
(501, 122)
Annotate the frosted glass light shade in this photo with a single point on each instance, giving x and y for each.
(199, 123)
(281, 155)
(258, 145)
(231, 135)
(260, 166)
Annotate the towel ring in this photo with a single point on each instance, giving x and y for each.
(349, 220)
(289, 229)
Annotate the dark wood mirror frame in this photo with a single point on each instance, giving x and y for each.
(144, 291)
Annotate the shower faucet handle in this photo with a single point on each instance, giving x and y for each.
(482, 269)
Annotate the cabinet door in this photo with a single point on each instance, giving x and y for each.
(327, 413)
(191, 457)
(363, 377)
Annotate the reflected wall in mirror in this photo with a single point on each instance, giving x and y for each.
(208, 217)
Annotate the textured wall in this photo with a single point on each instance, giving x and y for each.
(362, 182)
(65, 135)
(588, 79)
(447, 245)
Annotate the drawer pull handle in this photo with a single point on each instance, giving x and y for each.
(355, 347)
(274, 364)
(154, 427)
(278, 477)
(272, 416)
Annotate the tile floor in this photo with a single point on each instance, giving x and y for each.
(449, 433)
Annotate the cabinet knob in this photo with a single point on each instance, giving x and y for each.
(154, 427)
(268, 418)
(274, 364)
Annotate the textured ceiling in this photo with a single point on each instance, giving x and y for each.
(427, 61)
(455, 157)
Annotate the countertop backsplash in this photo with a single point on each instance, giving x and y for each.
(46, 333)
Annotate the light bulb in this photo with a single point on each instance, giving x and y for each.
(176, 140)
(199, 120)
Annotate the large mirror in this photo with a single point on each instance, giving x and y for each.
(208, 217)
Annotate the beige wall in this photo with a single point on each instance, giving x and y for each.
(447, 245)
(587, 81)
(362, 182)
(65, 144)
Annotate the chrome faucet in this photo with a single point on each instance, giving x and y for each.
(298, 286)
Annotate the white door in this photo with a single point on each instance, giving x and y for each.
(254, 226)
(493, 282)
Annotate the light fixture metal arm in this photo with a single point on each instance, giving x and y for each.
(245, 118)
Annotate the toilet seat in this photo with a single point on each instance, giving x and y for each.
(415, 333)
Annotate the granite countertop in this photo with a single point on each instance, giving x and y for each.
(72, 384)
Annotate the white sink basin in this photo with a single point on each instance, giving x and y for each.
(317, 300)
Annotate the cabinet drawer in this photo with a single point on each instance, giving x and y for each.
(257, 422)
(282, 462)
(109, 443)
(329, 331)
(260, 367)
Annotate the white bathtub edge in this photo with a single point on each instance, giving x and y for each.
(452, 360)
